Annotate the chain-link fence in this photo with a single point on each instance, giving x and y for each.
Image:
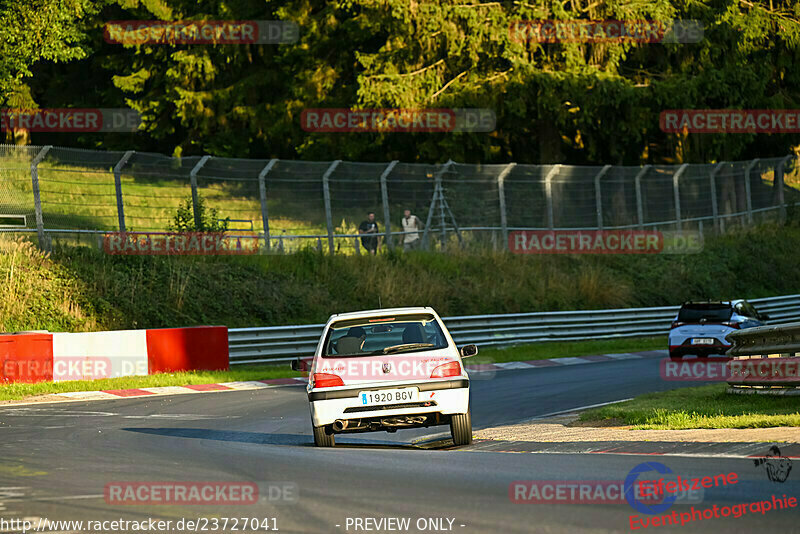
(287, 205)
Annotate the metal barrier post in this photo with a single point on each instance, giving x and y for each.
(677, 194)
(597, 198)
(385, 201)
(713, 183)
(326, 193)
(262, 191)
(639, 204)
(118, 186)
(747, 192)
(548, 188)
(193, 178)
(37, 199)
(501, 193)
(777, 184)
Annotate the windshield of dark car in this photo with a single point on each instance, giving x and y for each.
(694, 313)
(366, 337)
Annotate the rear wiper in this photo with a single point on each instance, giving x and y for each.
(406, 346)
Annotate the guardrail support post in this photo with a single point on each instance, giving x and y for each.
(598, 199)
(548, 190)
(713, 183)
(385, 201)
(677, 194)
(193, 178)
(747, 193)
(118, 187)
(262, 192)
(37, 199)
(637, 181)
(326, 194)
(501, 193)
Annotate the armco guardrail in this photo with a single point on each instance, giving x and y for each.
(765, 360)
(284, 343)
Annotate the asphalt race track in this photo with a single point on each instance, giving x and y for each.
(56, 460)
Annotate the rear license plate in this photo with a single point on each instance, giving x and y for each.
(388, 396)
(703, 341)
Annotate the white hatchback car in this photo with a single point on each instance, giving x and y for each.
(388, 369)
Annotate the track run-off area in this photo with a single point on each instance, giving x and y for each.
(62, 461)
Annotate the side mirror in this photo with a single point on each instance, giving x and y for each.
(468, 351)
(296, 364)
(763, 316)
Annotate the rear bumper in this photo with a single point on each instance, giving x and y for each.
(444, 397)
(699, 350)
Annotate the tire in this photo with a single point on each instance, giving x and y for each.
(461, 428)
(675, 355)
(323, 436)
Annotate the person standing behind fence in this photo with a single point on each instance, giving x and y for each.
(411, 226)
(370, 226)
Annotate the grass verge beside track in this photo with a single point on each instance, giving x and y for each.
(700, 407)
(239, 373)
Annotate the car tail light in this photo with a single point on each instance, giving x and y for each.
(326, 380)
(676, 324)
(448, 369)
(732, 324)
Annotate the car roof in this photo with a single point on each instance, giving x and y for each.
(732, 302)
(381, 311)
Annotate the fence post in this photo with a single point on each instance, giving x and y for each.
(777, 183)
(747, 192)
(548, 189)
(713, 184)
(118, 186)
(676, 192)
(597, 198)
(37, 199)
(385, 201)
(639, 204)
(193, 178)
(501, 193)
(326, 194)
(262, 191)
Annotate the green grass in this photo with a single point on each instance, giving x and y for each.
(238, 373)
(700, 407)
(565, 349)
(83, 289)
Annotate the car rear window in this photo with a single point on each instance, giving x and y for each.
(694, 313)
(379, 335)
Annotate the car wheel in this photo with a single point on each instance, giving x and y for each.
(461, 428)
(675, 355)
(323, 436)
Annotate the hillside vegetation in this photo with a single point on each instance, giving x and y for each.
(79, 288)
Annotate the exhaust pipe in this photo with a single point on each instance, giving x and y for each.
(339, 425)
